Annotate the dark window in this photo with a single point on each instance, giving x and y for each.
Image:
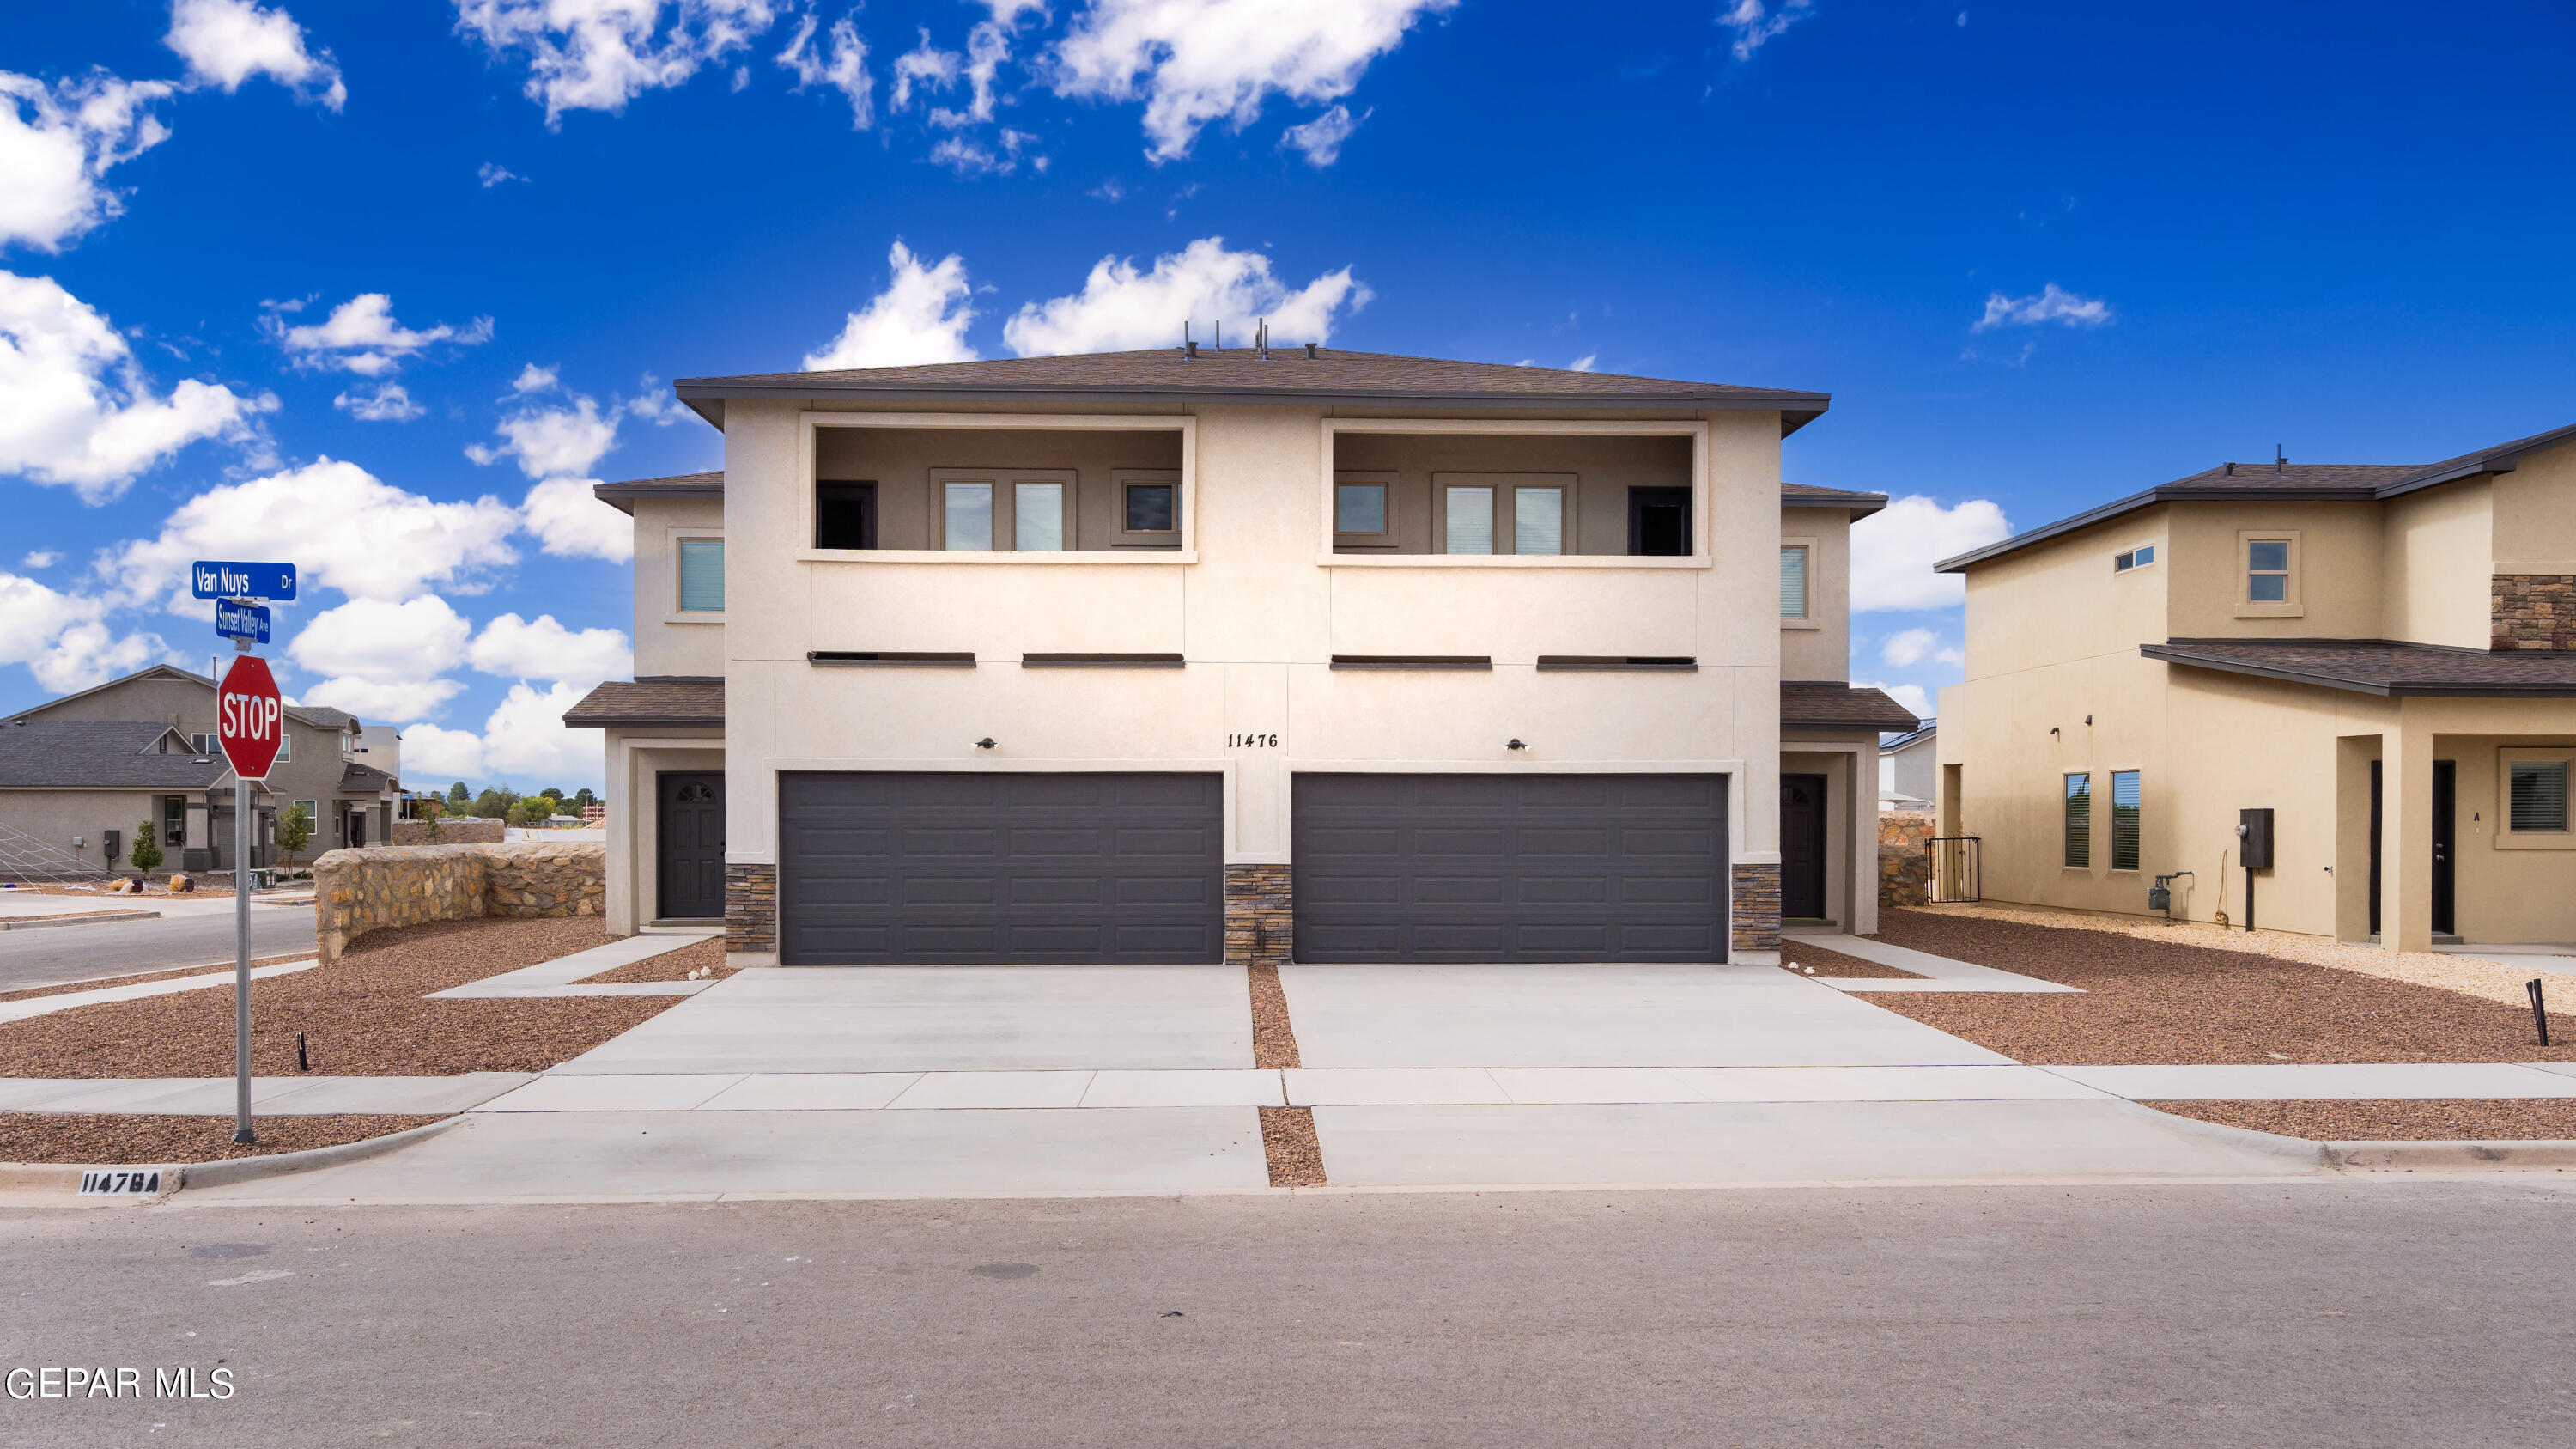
(1659, 522)
(845, 515)
(1152, 507)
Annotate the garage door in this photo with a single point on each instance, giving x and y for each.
(1510, 867)
(878, 869)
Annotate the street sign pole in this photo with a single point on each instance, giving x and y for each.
(241, 955)
(249, 723)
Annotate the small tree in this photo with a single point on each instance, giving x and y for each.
(459, 796)
(584, 800)
(428, 813)
(295, 831)
(494, 803)
(524, 813)
(145, 855)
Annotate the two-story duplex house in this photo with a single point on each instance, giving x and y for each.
(2382, 656)
(1174, 657)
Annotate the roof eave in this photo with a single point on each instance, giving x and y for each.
(2382, 688)
(622, 496)
(1860, 505)
(641, 722)
(1796, 409)
(2163, 493)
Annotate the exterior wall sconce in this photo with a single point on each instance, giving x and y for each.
(1515, 745)
(985, 743)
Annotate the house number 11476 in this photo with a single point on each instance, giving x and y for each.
(1252, 742)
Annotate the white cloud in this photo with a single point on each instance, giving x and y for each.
(844, 70)
(226, 42)
(1894, 549)
(1321, 138)
(969, 157)
(43, 558)
(596, 55)
(1197, 61)
(1120, 307)
(1903, 649)
(1586, 363)
(429, 750)
(553, 442)
(533, 378)
(362, 336)
(342, 527)
(1916, 700)
(514, 648)
(389, 403)
(526, 737)
(570, 521)
(493, 173)
(383, 660)
(1755, 23)
(2051, 303)
(921, 316)
(927, 66)
(56, 146)
(75, 408)
(987, 46)
(63, 639)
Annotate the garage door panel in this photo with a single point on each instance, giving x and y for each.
(1078, 868)
(1509, 867)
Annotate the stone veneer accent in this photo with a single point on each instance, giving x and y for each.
(453, 830)
(1259, 924)
(373, 887)
(2533, 611)
(1757, 908)
(1904, 857)
(751, 908)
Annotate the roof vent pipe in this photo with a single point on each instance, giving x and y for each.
(2280, 460)
(2231, 470)
(1189, 346)
(1310, 351)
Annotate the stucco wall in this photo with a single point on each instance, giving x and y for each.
(2535, 514)
(357, 891)
(54, 817)
(666, 640)
(2436, 559)
(1819, 647)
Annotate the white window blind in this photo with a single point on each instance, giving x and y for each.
(970, 517)
(1471, 520)
(2539, 790)
(1793, 582)
(1037, 517)
(2124, 820)
(702, 576)
(1538, 520)
(2079, 821)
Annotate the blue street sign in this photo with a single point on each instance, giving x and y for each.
(242, 580)
(242, 621)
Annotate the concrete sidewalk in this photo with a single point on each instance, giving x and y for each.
(269, 1096)
(1940, 973)
(32, 1006)
(556, 977)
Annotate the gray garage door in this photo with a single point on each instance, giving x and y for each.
(878, 869)
(1510, 867)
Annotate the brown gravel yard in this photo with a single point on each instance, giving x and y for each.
(1274, 1041)
(1797, 955)
(362, 1015)
(2170, 1001)
(2393, 1121)
(669, 966)
(111, 1139)
(1288, 1140)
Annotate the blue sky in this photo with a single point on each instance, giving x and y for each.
(377, 286)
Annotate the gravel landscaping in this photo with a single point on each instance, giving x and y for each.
(1288, 1139)
(361, 1016)
(1274, 1041)
(2171, 999)
(1797, 956)
(138, 1140)
(669, 966)
(2393, 1121)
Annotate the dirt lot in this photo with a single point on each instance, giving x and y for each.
(2393, 1121)
(113, 1139)
(361, 1016)
(2170, 1001)
(669, 966)
(1798, 955)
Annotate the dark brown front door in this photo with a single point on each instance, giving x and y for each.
(1802, 847)
(692, 847)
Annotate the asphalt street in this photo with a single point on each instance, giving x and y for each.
(2390, 1311)
(54, 955)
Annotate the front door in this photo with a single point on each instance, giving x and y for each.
(2446, 799)
(692, 834)
(1802, 847)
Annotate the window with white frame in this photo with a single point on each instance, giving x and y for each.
(1024, 511)
(1526, 514)
(1793, 580)
(2536, 796)
(701, 569)
(2267, 568)
(2135, 558)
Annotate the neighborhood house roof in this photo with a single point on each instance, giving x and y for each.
(622, 496)
(2381, 666)
(318, 716)
(2282, 482)
(71, 754)
(1241, 374)
(1829, 704)
(666, 702)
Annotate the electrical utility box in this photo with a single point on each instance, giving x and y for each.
(2254, 833)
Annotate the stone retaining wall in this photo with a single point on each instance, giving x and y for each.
(468, 830)
(376, 886)
(1904, 857)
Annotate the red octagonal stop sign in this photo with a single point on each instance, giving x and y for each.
(248, 717)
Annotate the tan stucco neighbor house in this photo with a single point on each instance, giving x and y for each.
(2381, 656)
(1162, 657)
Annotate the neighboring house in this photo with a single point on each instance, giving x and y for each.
(347, 777)
(78, 789)
(2383, 657)
(1142, 657)
(1907, 769)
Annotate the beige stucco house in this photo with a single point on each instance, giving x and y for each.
(2383, 657)
(1152, 656)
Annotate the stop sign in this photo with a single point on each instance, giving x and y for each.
(249, 716)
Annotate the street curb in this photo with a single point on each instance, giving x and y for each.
(252, 1169)
(2410, 1156)
(2270, 1144)
(108, 918)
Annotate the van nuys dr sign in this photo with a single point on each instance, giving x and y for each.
(249, 716)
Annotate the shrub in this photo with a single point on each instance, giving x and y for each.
(295, 832)
(145, 855)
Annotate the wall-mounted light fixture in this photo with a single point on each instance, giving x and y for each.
(1514, 745)
(985, 743)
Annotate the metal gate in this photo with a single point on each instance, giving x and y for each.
(1953, 878)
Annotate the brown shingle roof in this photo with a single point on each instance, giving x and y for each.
(622, 496)
(2381, 666)
(1824, 704)
(650, 703)
(1332, 375)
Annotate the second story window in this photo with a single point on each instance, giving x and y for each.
(1793, 581)
(2267, 571)
(1530, 514)
(2136, 558)
(702, 576)
(1032, 511)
